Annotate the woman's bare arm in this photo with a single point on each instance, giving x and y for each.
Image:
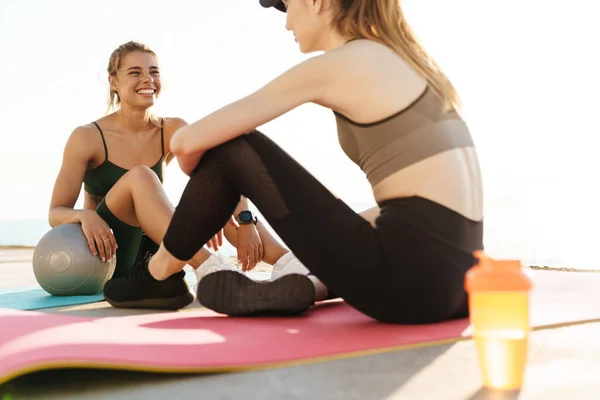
(76, 156)
(306, 82)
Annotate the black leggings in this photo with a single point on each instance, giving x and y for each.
(409, 268)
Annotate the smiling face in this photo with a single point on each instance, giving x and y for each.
(136, 80)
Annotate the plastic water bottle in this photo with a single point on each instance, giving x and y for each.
(499, 314)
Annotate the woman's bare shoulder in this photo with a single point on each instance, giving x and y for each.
(170, 126)
(85, 133)
(83, 142)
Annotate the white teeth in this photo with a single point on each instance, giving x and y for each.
(145, 91)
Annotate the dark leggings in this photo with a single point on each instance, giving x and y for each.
(409, 268)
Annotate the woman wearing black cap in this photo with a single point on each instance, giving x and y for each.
(397, 118)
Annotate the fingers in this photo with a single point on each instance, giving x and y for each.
(243, 258)
(113, 243)
(261, 253)
(257, 258)
(100, 247)
(104, 245)
(257, 253)
(110, 245)
(251, 260)
(216, 241)
(92, 244)
(108, 250)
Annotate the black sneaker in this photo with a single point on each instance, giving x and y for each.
(233, 293)
(141, 290)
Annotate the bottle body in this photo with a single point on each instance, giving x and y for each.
(500, 322)
(499, 314)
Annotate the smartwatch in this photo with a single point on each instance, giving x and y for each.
(246, 217)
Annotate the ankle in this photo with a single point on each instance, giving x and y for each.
(157, 271)
(160, 269)
(272, 256)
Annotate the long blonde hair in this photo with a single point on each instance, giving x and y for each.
(114, 63)
(383, 21)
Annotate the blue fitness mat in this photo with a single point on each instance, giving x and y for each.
(36, 298)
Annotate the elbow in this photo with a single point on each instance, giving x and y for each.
(177, 145)
(54, 218)
(51, 219)
(181, 146)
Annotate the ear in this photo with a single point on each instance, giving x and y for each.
(317, 5)
(112, 82)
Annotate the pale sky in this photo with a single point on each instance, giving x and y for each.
(527, 71)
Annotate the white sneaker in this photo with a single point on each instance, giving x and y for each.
(214, 263)
(289, 264)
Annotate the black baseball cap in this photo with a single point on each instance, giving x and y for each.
(278, 4)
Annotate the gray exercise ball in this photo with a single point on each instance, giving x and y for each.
(64, 265)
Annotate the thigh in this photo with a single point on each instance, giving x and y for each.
(310, 219)
(128, 240)
(334, 242)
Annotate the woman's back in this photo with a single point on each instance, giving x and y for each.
(376, 87)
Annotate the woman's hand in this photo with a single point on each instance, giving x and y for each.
(217, 241)
(98, 234)
(249, 246)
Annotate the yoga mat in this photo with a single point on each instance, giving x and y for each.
(198, 341)
(204, 341)
(36, 298)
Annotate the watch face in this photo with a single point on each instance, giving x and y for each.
(246, 216)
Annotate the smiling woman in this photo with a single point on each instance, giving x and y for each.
(119, 159)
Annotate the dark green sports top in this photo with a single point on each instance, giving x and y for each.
(100, 180)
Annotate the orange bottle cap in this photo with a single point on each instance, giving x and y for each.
(496, 275)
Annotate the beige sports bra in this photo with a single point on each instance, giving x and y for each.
(421, 130)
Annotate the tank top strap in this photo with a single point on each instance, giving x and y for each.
(103, 141)
(162, 136)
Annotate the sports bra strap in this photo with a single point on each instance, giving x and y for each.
(103, 141)
(162, 136)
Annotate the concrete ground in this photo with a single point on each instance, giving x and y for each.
(562, 365)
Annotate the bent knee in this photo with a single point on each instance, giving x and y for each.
(142, 173)
(123, 189)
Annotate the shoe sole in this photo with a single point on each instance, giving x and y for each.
(232, 293)
(171, 303)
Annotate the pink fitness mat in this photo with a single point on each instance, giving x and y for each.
(203, 341)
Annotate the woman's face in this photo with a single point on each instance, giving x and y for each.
(305, 22)
(138, 80)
